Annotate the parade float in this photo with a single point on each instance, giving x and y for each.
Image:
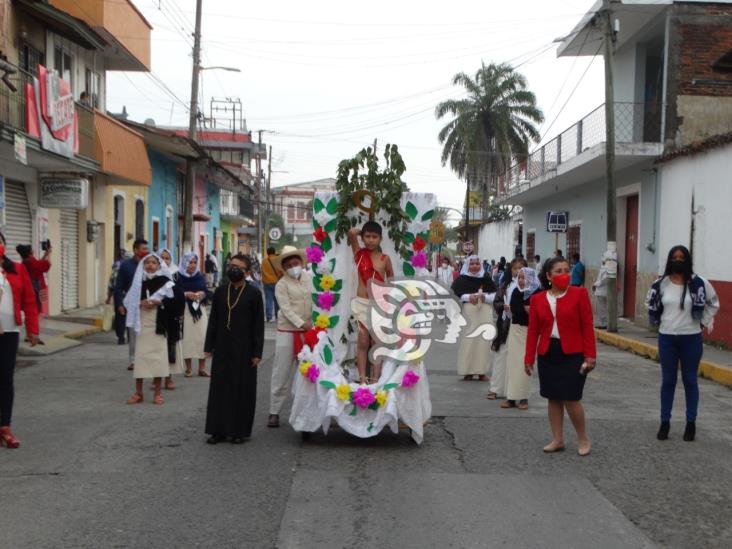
(326, 391)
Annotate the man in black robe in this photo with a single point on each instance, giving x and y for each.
(234, 339)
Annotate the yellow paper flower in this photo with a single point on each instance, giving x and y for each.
(327, 282)
(343, 392)
(381, 397)
(322, 321)
(304, 366)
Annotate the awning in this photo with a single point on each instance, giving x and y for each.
(121, 151)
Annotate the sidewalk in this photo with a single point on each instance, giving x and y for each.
(716, 363)
(62, 332)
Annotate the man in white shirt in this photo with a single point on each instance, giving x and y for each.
(444, 272)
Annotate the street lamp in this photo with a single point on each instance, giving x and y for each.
(230, 69)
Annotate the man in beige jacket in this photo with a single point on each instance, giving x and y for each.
(293, 293)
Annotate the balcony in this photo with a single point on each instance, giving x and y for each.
(87, 132)
(577, 155)
(120, 24)
(12, 104)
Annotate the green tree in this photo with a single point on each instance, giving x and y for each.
(490, 127)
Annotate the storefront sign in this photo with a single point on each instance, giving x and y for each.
(71, 193)
(51, 113)
(21, 151)
(557, 222)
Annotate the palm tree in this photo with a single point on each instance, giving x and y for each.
(490, 128)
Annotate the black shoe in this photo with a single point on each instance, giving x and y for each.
(238, 440)
(121, 341)
(273, 421)
(215, 439)
(690, 431)
(663, 430)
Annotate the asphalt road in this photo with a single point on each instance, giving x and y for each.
(94, 472)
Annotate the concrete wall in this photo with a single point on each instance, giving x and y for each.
(704, 180)
(497, 239)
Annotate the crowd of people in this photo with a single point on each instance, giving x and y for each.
(172, 317)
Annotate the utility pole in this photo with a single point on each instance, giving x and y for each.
(192, 122)
(611, 253)
(267, 198)
(259, 193)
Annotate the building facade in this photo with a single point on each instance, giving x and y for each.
(295, 203)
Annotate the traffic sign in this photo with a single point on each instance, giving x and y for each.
(275, 234)
(557, 222)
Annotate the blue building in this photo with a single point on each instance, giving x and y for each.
(167, 174)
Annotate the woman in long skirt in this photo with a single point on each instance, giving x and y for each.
(175, 323)
(147, 316)
(476, 290)
(195, 320)
(518, 384)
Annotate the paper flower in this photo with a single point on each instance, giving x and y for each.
(409, 379)
(381, 397)
(304, 367)
(343, 392)
(311, 337)
(363, 397)
(324, 267)
(418, 244)
(322, 321)
(313, 373)
(419, 260)
(314, 254)
(326, 300)
(320, 234)
(322, 217)
(327, 282)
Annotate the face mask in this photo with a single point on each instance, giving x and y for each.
(235, 274)
(2, 250)
(677, 267)
(295, 272)
(560, 281)
(141, 253)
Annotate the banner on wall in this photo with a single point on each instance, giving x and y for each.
(71, 193)
(51, 113)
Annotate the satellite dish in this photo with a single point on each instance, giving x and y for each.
(149, 122)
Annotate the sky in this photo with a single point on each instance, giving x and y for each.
(323, 79)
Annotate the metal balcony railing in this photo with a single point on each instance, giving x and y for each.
(12, 104)
(87, 131)
(634, 123)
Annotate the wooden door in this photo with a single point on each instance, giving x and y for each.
(156, 234)
(631, 256)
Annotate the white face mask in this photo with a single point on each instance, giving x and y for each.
(295, 272)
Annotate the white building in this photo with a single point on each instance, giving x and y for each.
(294, 203)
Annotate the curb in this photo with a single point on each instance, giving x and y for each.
(78, 334)
(708, 370)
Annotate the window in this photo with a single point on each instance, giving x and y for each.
(290, 213)
(62, 64)
(92, 83)
(30, 58)
(573, 241)
(139, 219)
(302, 208)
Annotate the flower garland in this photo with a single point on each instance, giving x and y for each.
(414, 254)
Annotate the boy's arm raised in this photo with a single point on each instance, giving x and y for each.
(353, 234)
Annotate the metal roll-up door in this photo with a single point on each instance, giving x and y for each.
(69, 224)
(18, 227)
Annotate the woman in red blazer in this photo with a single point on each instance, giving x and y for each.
(16, 297)
(561, 332)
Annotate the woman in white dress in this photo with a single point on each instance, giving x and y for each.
(175, 324)
(195, 320)
(148, 302)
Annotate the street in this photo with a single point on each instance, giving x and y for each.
(94, 472)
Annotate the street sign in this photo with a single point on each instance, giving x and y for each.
(557, 221)
(275, 234)
(71, 193)
(468, 247)
(437, 232)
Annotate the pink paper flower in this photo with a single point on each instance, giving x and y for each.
(409, 379)
(419, 260)
(313, 373)
(363, 397)
(326, 300)
(315, 254)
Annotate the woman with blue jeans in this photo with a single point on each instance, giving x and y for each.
(681, 304)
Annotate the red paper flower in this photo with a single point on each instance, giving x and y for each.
(311, 337)
(418, 244)
(320, 234)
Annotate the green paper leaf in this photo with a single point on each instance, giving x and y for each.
(316, 282)
(327, 244)
(408, 238)
(411, 210)
(425, 235)
(318, 205)
(332, 206)
(334, 320)
(328, 384)
(407, 268)
(315, 298)
(428, 215)
(315, 315)
(390, 386)
(331, 225)
(315, 224)
(327, 355)
(354, 409)
(374, 405)
(314, 267)
(338, 286)
(336, 298)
